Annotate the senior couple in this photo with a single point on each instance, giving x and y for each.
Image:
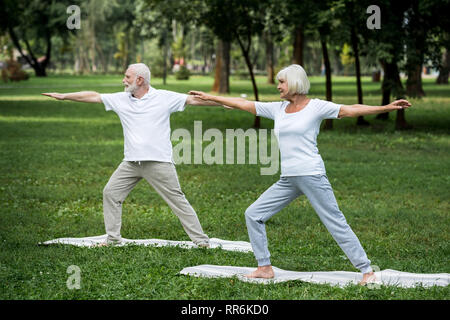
(144, 113)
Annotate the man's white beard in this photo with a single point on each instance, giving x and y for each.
(131, 88)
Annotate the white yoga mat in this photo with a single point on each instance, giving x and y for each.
(240, 246)
(335, 278)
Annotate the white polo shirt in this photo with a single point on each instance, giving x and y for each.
(297, 134)
(146, 122)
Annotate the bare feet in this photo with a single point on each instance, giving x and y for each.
(203, 245)
(264, 272)
(368, 278)
(101, 244)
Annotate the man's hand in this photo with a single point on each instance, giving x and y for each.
(58, 96)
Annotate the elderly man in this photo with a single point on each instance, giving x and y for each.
(145, 116)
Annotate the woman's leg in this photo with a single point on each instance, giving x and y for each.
(318, 190)
(269, 203)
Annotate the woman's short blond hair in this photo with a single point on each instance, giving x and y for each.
(296, 78)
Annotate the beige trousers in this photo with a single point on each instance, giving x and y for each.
(162, 176)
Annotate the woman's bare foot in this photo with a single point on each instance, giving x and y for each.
(368, 278)
(100, 244)
(264, 272)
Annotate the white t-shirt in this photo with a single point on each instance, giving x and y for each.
(297, 134)
(146, 122)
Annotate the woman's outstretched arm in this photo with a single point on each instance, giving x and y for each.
(357, 110)
(235, 103)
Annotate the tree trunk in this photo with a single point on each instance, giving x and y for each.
(391, 85)
(222, 70)
(299, 40)
(400, 121)
(415, 47)
(165, 53)
(386, 95)
(354, 39)
(269, 58)
(326, 60)
(92, 48)
(414, 83)
(246, 54)
(376, 76)
(444, 68)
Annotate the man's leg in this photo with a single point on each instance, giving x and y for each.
(320, 194)
(269, 203)
(162, 176)
(116, 190)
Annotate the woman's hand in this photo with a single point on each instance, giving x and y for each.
(399, 104)
(207, 97)
(200, 95)
(227, 102)
(357, 110)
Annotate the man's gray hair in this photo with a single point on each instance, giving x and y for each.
(141, 70)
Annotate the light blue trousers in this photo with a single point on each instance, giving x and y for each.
(318, 190)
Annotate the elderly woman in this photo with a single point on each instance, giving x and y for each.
(297, 123)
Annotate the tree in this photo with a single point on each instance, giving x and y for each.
(354, 30)
(94, 43)
(237, 20)
(273, 31)
(156, 17)
(324, 17)
(424, 25)
(31, 26)
(297, 16)
(387, 46)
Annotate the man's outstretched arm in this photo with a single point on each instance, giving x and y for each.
(82, 96)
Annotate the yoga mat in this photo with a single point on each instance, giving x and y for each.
(228, 245)
(386, 277)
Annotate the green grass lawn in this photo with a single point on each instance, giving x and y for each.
(56, 157)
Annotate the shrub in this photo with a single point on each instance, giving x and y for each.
(13, 72)
(182, 74)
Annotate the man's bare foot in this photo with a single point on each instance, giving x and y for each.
(203, 245)
(368, 278)
(264, 272)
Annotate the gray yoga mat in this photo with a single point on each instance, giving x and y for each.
(386, 277)
(240, 246)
